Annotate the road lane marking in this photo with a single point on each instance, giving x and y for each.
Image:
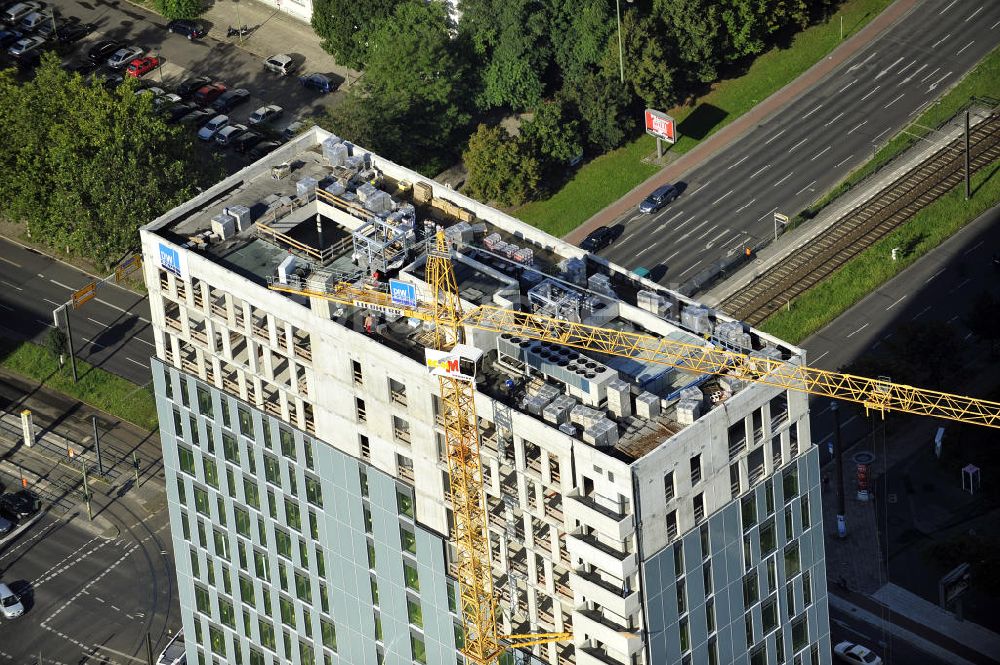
(933, 276)
(758, 171)
(938, 82)
(834, 119)
(973, 15)
(959, 51)
(732, 166)
(667, 260)
(775, 136)
(92, 320)
(936, 70)
(709, 230)
(711, 242)
(886, 70)
(811, 112)
(798, 144)
(894, 101)
(974, 247)
(851, 130)
(805, 188)
(685, 222)
(947, 7)
(722, 197)
(123, 311)
(694, 267)
(877, 136)
(9, 309)
(814, 361)
(144, 341)
(16, 265)
(960, 285)
(101, 647)
(848, 85)
(994, 25)
(843, 161)
(864, 61)
(910, 77)
(11, 284)
(52, 302)
(940, 41)
(701, 188)
(790, 173)
(62, 285)
(859, 330)
(901, 298)
(639, 254)
(912, 62)
(745, 205)
(667, 221)
(767, 214)
(921, 313)
(818, 154)
(874, 90)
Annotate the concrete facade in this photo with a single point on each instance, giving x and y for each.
(583, 529)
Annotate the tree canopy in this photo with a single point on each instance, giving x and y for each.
(179, 8)
(89, 166)
(345, 26)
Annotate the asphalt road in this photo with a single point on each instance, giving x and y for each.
(111, 331)
(789, 161)
(941, 286)
(893, 650)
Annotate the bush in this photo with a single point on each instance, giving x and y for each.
(179, 8)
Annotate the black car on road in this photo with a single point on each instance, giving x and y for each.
(247, 141)
(190, 29)
(19, 505)
(598, 239)
(104, 49)
(188, 87)
(230, 99)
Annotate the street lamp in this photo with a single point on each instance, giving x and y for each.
(621, 54)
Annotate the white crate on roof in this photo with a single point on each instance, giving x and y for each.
(365, 191)
(510, 250)
(525, 256)
(490, 241)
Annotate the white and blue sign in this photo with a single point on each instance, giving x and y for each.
(402, 293)
(170, 259)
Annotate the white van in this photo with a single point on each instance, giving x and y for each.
(32, 21)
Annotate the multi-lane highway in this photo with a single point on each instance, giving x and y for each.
(790, 160)
(111, 331)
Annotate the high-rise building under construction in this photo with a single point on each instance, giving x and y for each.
(655, 514)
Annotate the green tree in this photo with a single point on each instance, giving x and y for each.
(553, 132)
(179, 8)
(695, 29)
(580, 31)
(501, 169)
(604, 107)
(647, 66)
(89, 166)
(346, 26)
(57, 344)
(408, 104)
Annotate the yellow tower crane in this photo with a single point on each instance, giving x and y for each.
(483, 643)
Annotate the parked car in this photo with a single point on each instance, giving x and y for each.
(598, 239)
(123, 56)
(265, 114)
(175, 113)
(10, 604)
(317, 82)
(23, 45)
(33, 21)
(849, 652)
(103, 50)
(230, 99)
(190, 86)
(111, 79)
(280, 64)
(72, 33)
(197, 116)
(293, 129)
(19, 11)
(19, 505)
(247, 140)
(174, 653)
(190, 29)
(8, 37)
(209, 93)
(82, 67)
(6, 526)
(142, 66)
(165, 100)
(229, 133)
(153, 91)
(264, 148)
(660, 197)
(212, 127)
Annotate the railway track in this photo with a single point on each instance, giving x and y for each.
(864, 225)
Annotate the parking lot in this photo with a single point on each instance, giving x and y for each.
(215, 56)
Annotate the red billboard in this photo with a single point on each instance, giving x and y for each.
(660, 125)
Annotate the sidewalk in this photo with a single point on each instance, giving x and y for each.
(62, 423)
(736, 130)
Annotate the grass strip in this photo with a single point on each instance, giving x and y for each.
(607, 178)
(96, 387)
(873, 267)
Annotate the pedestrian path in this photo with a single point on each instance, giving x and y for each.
(912, 606)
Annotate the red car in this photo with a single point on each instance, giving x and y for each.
(141, 66)
(209, 93)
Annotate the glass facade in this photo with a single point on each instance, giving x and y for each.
(288, 550)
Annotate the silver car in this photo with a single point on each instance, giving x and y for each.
(123, 56)
(280, 64)
(212, 127)
(10, 604)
